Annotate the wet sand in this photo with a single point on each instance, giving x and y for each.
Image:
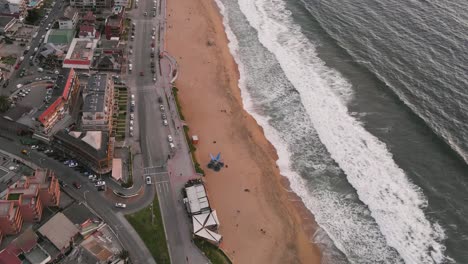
(261, 220)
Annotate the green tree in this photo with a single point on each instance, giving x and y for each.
(33, 16)
(4, 103)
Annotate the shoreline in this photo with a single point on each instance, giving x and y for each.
(212, 104)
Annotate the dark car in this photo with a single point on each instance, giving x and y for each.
(62, 183)
(77, 185)
(142, 74)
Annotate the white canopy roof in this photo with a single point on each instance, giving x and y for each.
(201, 223)
(210, 235)
(197, 199)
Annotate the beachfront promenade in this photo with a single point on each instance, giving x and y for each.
(169, 169)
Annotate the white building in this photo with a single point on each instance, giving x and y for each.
(98, 100)
(69, 19)
(122, 3)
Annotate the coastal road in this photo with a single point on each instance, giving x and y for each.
(55, 13)
(95, 200)
(153, 135)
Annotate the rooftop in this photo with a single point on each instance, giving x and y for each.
(93, 153)
(37, 255)
(8, 258)
(4, 207)
(80, 53)
(60, 36)
(4, 20)
(95, 93)
(59, 230)
(60, 92)
(196, 198)
(26, 241)
(78, 213)
(114, 21)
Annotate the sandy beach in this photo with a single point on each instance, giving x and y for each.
(261, 220)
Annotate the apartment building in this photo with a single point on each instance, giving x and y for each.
(49, 187)
(11, 219)
(26, 196)
(63, 98)
(98, 104)
(90, 4)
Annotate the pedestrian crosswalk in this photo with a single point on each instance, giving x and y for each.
(155, 170)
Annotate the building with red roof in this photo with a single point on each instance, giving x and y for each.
(80, 53)
(62, 99)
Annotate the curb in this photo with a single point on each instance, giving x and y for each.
(119, 194)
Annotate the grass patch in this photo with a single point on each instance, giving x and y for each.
(175, 91)
(151, 232)
(10, 60)
(213, 253)
(192, 148)
(129, 182)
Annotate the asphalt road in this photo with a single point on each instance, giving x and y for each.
(152, 135)
(54, 14)
(94, 199)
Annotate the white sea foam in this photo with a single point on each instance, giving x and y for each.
(395, 203)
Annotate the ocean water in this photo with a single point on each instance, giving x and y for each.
(366, 104)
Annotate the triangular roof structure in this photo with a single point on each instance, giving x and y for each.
(202, 222)
(212, 219)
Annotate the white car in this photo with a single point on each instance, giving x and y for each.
(34, 147)
(133, 97)
(100, 183)
(161, 107)
(152, 37)
(169, 138)
(165, 122)
(120, 205)
(92, 177)
(132, 116)
(131, 128)
(73, 164)
(154, 79)
(172, 145)
(133, 103)
(148, 180)
(131, 122)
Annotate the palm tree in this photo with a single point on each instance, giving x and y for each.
(124, 254)
(4, 103)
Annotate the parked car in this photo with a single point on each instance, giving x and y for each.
(165, 122)
(73, 164)
(77, 185)
(148, 180)
(34, 147)
(120, 205)
(100, 183)
(161, 107)
(172, 146)
(169, 138)
(132, 116)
